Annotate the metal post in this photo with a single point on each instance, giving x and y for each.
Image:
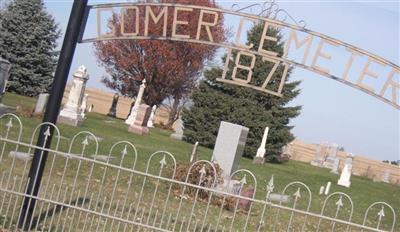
(75, 23)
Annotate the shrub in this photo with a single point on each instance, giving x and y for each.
(181, 174)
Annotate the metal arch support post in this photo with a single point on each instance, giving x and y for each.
(75, 24)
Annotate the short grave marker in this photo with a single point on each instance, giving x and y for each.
(41, 103)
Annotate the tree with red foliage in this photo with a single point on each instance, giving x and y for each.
(171, 68)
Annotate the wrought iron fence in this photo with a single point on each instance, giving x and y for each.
(86, 191)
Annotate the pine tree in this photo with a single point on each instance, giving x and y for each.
(214, 102)
(28, 36)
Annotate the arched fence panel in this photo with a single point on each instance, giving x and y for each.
(83, 190)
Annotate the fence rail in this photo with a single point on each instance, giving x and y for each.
(85, 191)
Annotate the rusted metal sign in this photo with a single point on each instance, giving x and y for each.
(316, 52)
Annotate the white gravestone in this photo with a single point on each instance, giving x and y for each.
(150, 123)
(321, 190)
(91, 107)
(331, 160)
(135, 108)
(328, 188)
(71, 114)
(333, 150)
(193, 156)
(178, 130)
(335, 166)
(320, 155)
(84, 105)
(345, 176)
(229, 146)
(287, 151)
(41, 103)
(276, 197)
(22, 156)
(386, 176)
(260, 157)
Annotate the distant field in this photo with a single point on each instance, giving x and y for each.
(363, 191)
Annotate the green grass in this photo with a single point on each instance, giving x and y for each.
(363, 191)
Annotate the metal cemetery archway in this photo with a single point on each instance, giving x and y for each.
(247, 50)
(75, 31)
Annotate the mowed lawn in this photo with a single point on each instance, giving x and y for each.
(363, 191)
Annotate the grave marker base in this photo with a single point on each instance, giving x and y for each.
(70, 121)
(140, 130)
(258, 160)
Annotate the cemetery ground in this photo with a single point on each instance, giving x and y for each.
(363, 191)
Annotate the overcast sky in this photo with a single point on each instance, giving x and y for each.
(332, 112)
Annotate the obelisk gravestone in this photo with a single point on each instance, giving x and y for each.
(260, 157)
(71, 114)
(135, 108)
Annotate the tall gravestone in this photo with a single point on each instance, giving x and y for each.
(229, 146)
(135, 107)
(41, 103)
(4, 75)
(71, 114)
(113, 109)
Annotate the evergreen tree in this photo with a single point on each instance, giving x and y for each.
(215, 102)
(28, 36)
